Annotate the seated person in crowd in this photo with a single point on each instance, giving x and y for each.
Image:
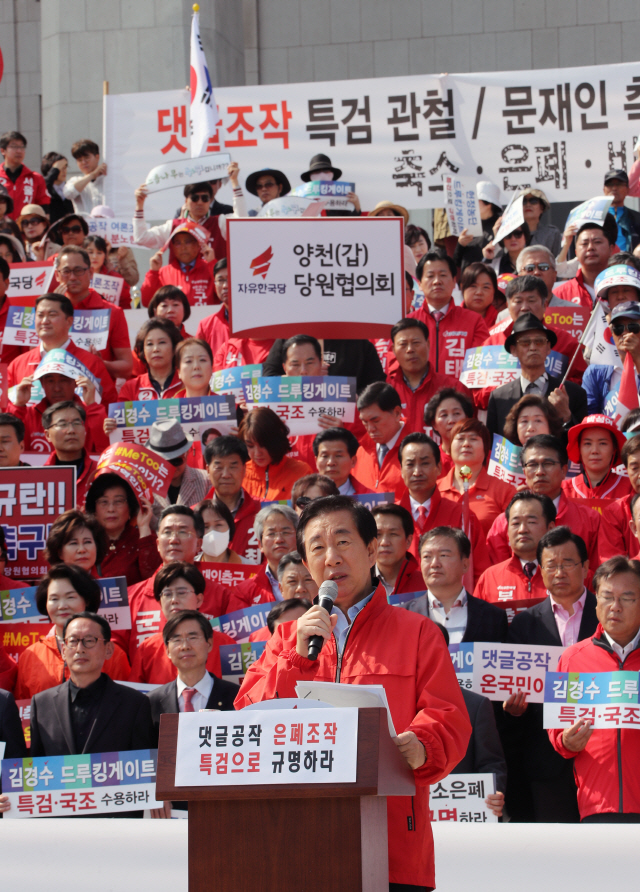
(451, 328)
(445, 554)
(470, 449)
(64, 428)
(297, 586)
(444, 411)
(594, 246)
(531, 342)
(396, 567)
(616, 535)
(155, 347)
(12, 435)
(53, 322)
(479, 286)
(335, 453)
(377, 461)
(188, 485)
(529, 516)
(313, 486)
(602, 381)
(63, 592)
(219, 530)
(275, 529)
(607, 793)
(131, 549)
(595, 445)
(420, 466)
(226, 459)
(545, 464)
(530, 416)
(567, 615)
(214, 329)
(190, 266)
(180, 534)
(270, 473)
(413, 376)
(177, 586)
(194, 365)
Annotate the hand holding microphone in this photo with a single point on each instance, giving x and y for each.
(316, 625)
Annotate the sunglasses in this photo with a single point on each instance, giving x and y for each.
(517, 234)
(33, 221)
(532, 267)
(203, 197)
(71, 230)
(619, 328)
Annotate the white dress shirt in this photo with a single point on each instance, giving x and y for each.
(455, 621)
(540, 384)
(347, 488)
(623, 652)
(392, 442)
(201, 698)
(415, 505)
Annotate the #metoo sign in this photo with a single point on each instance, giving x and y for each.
(330, 277)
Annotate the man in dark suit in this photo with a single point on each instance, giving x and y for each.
(444, 560)
(541, 782)
(90, 713)
(531, 342)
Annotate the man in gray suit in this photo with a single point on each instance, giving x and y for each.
(189, 485)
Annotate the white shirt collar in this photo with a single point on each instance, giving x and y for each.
(444, 310)
(623, 652)
(63, 347)
(347, 488)
(435, 603)
(204, 686)
(556, 501)
(416, 505)
(392, 442)
(540, 383)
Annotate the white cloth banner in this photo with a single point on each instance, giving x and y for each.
(552, 129)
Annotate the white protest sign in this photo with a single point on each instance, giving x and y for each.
(461, 797)
(108, 287)
(90, 328)
(592, 211)
(291, 206)
(608, 700)
(511, 219)
(330, 277)
(188, 170)
(500, 670)
(333, 193)
(461, 202)
(118, 231)
(267, 747)
(301, 401)
(29, 280)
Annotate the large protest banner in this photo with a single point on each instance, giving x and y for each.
(547, 128)
(146, 472)
(330, 277)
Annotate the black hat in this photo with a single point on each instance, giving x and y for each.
(616, 175)
(528, 322)
(320, 162)
(278, 176)
(4, 196)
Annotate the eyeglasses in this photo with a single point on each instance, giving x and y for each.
(532, 267)
(619, 328)
(188, 639)
(116, 503)
(606, 599)
(67, 273)
(204, 197)
(274, 534)
(89, 641)
(565, 566)
(531, 342)
(65, 425)
(181, 534)
(33, 221)
(180, 594)
(546, 465)
(13, 145)
(68, 230)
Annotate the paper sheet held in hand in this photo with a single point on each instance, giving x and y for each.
(360, 695)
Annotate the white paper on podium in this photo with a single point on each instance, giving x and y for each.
(360, 695)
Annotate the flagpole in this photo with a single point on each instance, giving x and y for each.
(587, 330)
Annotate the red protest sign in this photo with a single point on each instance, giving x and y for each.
(17, 637)
(24, 708)
(227, 574)
(145, 472)
(571, 321)
(30, 500)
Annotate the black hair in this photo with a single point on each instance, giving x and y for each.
(192, 188)
(173, 623)
(98, 241)
(336, 434)
(609, 227)
(435, 256)
(562, 536)
(447, 393)
(286, 560)
(49, 160)
(107, 481)
(460, 538)
(5, 269)
(282, 607)
(161, 324)
(420, 438)
(412, 234)
(95, 618)
(223, 447)
(82, 581)
(379, 394)
(525, 495)
(169, 292)
(221, 264)
(178, 570)
(546, 441)
(221, 509)
(361, 516)
(184, 511)
(391, 510)
(6, 138)
(65, 304)
(84, 147)
(297, 341)
(9, 420)
(49, 412)
(526, 283)
(613, 567)
(405, 324)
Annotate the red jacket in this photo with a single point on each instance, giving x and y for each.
(506, 582)
(151, 664)
(147, 618)
(488, 497)
(385, 479)
(460, 330)
(28, 362)
(615, 535)
(84, 481)
(575, 291)
(118, 328)
(444, 513)
(358, 487)
(409, 578)
(424, 697)
(244, 541)
(241, 351)
(141, 388)
(606, 770)
(256, 590)
(600, 497)
(29, 188)
(131, 556)
(197, 284)
(414, 401)
(579, 518)
(215, 329)
(35, 441)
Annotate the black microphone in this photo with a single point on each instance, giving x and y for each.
(327, 594)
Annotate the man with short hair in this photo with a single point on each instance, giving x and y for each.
(12, 435)
(23, 185)
(294, 578)
(337, 540)
(275, 529)
(616, 184)
(349, 357)
(616, 535)
(284, 612)
(377, 464)
(86, 191)
(529, 516)
(545, 464)
(190, 266)
(567, 615)
(53, 322)
(594, 245)
(396, 567)
(445, 553)
(335, 452)
(226, 458)
(64, 428)
(452, 330)
(188, 485)
(414, 378)
(538, 261)
(214, 329)
(604, 760)
(531, 342)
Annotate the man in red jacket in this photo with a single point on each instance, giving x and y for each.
(545, 464)
(415, 379)
(215, 328)
(452, 330)
(23, 185)
(397, 569)
(377, 463)
(190, 266)
(615, 536)
(65, 428)
(594, 246)
(226, 458)
(606, 761)
(369, 642)
(335, 451)
(529, 517)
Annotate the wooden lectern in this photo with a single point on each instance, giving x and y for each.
(292, 837)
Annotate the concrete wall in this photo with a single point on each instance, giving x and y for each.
(20, 84)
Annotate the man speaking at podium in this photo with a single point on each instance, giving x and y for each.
(368, 642)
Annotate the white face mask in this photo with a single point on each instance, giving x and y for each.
(215, 542)
(326, 175)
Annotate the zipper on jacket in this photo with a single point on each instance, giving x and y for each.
(437, 344)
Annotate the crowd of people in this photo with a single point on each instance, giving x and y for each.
(563, 538)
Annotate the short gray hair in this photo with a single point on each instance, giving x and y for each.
(265, 513)
(526, 252)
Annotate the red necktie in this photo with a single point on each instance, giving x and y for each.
(422, 518)
(437, 315)
(187, 695)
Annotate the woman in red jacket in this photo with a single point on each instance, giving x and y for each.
(98, 251)
(270, 472)
(194, 364)
(169, 303)
(596, 444)
(479, 287)
(155, 348)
